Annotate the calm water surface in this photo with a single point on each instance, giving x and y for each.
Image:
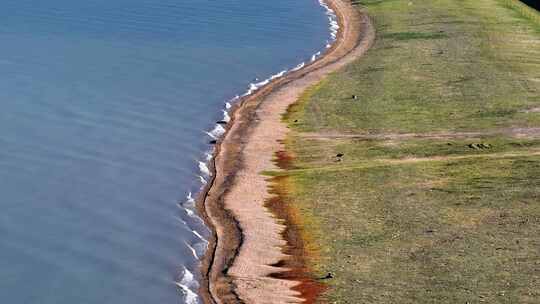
(104, 108)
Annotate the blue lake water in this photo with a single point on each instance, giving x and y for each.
(104, 108)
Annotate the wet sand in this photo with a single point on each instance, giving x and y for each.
(247, 245)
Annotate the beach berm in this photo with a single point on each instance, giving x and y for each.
(248, 244)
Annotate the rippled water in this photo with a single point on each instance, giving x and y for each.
(105, 104)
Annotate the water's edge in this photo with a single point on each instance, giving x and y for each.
(190, 284)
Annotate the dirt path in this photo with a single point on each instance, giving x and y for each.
(512, 132)
(456, 157)
(373, 162)
(247, 236)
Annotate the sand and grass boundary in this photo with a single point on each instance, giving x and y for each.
(243, 260)
(425, 188)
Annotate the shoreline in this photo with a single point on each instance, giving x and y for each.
(246, 249)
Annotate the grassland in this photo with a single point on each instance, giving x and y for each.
(435, 194)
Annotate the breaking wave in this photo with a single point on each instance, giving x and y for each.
(188, 286)
(190, 201)
(204, 169)
(332, 19)
(226, 117)
(298, 67)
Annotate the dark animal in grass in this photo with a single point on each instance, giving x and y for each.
(327, 276)
(354, 97)
(485, 146)
(480, 146)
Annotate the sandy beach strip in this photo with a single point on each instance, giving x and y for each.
(247, 238)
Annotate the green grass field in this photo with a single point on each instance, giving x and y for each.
(436, 198)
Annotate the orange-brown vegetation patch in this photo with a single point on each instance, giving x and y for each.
(295, 265)
(284, 160)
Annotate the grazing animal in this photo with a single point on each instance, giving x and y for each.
(480, 146)
(328, 276)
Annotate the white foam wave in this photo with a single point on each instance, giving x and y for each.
(278, 75)
(217, 131)
(332, 20)
(204, 169)
(315, 56)
(190, 296)
(188, 206)
(188, 285)
(181, 221)
(192, 215)
(298, 67)
(195, 255)
(199, 236)
(188, 279)
(210, 134)
(226, 117)
(201, 244)
(252, 88)
(200, 248)
(190, 201)
(208, 156)
(257, 85)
